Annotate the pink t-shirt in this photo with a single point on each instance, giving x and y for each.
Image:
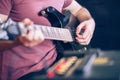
(22, 60)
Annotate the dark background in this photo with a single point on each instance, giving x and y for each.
(106, 14)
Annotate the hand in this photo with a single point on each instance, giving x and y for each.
(33, 37)
(88, 26)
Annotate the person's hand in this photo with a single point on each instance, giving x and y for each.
(88, 26)
(33, 37)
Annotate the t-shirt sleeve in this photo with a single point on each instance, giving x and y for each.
(5, 6)
(67, 3)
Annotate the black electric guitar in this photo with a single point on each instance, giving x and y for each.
(63, 31)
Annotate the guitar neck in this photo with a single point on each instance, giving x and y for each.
(52, 33)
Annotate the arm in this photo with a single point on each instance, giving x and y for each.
(5, 45)
(32, 38)
(86, 22)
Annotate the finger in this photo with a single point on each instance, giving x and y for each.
(36, 35)
(79, 36)
(84, 41)
(32, 44)
(39, 36)
(87, 40)
(30, 35)
(23, 40)
(27, 22)
(80, 27)
(84, 35)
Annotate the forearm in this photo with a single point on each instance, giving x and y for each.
(83, 14)
(79, 11)
(5, 45)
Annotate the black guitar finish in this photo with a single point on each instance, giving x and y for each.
(55, 17)
(65, 20)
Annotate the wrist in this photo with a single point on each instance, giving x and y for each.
(83, 15)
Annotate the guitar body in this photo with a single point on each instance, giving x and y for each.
(65, 20)
(64, 26)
